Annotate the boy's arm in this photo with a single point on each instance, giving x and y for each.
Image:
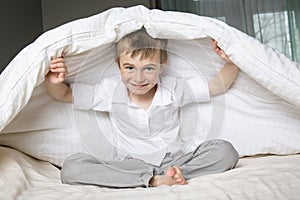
(54, 81)
(225, 78)
(60, 92)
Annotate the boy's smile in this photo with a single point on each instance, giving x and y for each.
(140, 74)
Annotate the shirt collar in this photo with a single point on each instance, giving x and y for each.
(120, 94)
(162, 97)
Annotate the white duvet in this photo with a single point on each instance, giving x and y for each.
(259, 114)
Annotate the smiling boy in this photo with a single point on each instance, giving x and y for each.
(140, 76)
(143, 108)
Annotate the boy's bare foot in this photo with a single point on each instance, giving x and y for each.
(177, 175)
(173, 176)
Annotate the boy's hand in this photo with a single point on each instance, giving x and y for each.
(222, 81)
(57, 71)
(220, 51)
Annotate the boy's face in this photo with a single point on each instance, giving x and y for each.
(140, 74)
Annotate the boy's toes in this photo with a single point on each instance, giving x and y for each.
(179, 180)
(171, 172)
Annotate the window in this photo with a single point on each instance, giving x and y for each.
(272, 29)
(274, 22)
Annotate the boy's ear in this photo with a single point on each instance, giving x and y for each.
(117, 60)
(163, 66)
(165, 62)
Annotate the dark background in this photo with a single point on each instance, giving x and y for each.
(22, 22)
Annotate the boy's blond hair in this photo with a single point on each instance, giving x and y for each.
(140, 42)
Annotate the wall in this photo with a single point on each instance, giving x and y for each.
(57, 12)
(21, 23)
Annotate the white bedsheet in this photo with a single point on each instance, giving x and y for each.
(259, 114)
(262, 178)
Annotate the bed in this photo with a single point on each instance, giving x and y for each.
(260, 177)
(259, 115)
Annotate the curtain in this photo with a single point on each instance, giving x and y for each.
(179, 5)
(274, 22)
(293, 9)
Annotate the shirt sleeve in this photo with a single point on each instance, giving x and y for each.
(188, 90)
(94, 97)
(83, 96)
(199, 88)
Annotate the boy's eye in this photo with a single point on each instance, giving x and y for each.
(149, 69)
(129, 69)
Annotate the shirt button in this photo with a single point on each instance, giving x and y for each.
(142, 118)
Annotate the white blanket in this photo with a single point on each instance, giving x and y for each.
(259, 114)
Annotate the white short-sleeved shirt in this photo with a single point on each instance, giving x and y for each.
(144, 134)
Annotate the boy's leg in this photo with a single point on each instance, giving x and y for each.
(85, 169)
(212, 156)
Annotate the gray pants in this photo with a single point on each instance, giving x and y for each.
(213, 156)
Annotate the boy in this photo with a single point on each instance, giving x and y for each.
(143, 109)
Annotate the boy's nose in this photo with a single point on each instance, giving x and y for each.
(139, 78)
